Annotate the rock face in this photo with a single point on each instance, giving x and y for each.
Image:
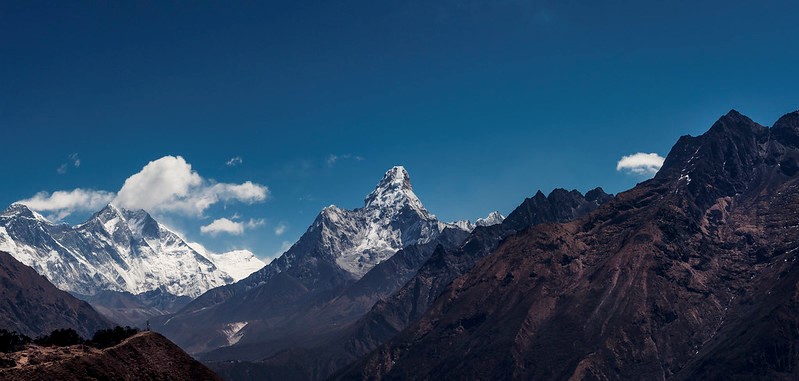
(690, 275)
(316, 274)
(116, 249)
(145, 356)
(394, 313)
(32, 306)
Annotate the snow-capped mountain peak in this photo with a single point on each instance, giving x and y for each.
(115, 249)
(396, 178)
(395, 193)
(239, 264)
(493, 218)
(22, 211)
(355, 241)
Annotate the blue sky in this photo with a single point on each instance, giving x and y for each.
(483, 102)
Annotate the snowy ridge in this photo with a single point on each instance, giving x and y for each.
(239, 264)
(116, 249)
(493, 218)
(463, 225)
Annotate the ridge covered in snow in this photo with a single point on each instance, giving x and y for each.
(239, 264)
(115, 249)
(493, 218)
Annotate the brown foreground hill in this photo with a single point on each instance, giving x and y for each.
(32, 306)
(145, 356)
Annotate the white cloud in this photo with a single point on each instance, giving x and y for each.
(234, 161)
(64, 203)
(159, 182)
(166, 185)
(280, 229)
(223, 225)
(170, 185)
(640, 163)
(333, 159)
(74, 160)
(254, 223)
(248, 191)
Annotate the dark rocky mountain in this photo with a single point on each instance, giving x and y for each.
(690, 275)
(145, 356)
(32, 306)
(343, 263)
(388, 317)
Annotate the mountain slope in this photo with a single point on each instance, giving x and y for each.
(337, 250)
(391, 315)
(325, 316)
(688, 275)
(116, 249)
(126, 309)
(145, 356)
(32, 306)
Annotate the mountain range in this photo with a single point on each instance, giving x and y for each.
(689, 275)
(126, 264)
(392, 313)
(115, 249)
(333, 274)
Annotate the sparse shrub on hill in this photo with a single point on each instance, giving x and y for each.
(105, 338)
(60, 338)
(12, 341)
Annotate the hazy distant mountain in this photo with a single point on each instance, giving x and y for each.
(117, 250)
(239, 264)
(126, 309)
(493, 218)
(334, 254)
(690, 275)
(32, 306)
